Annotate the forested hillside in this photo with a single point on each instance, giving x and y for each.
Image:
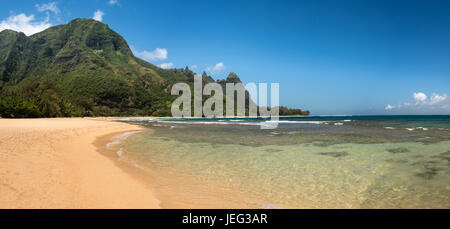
(82, 68)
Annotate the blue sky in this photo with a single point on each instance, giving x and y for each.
(331, 57)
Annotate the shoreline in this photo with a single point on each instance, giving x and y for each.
(54, 164)
(173, 190)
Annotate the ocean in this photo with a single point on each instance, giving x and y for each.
(307, 162)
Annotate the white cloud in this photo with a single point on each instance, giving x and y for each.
(216, 68)
(435, 98)
(113, 2)
(157, 54)
(98, 15)
(166, 65)
(420, 97)
(389, 107)
(194, 67)
(51, 6)
(436, 104)
(26, 24)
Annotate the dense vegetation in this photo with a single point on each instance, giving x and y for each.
(284, 111)
(82, 68)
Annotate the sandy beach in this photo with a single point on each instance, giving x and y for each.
(53, 163)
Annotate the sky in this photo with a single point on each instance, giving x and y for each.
(329, 57)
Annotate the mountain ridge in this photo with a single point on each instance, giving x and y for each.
(83, 68)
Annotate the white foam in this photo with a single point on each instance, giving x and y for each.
(417, 128)
(120, 152)
(192, 122)
(339, 124)
(389, 128)
(241, 122)
(135, 119)
(296, 122)
(119, 139)
(210, 123)
(422, 128)
(250, 123)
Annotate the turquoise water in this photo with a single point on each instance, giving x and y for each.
(309, 162)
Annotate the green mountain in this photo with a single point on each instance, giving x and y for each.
(82, 68)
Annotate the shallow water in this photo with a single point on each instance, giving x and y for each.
(314, 162)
